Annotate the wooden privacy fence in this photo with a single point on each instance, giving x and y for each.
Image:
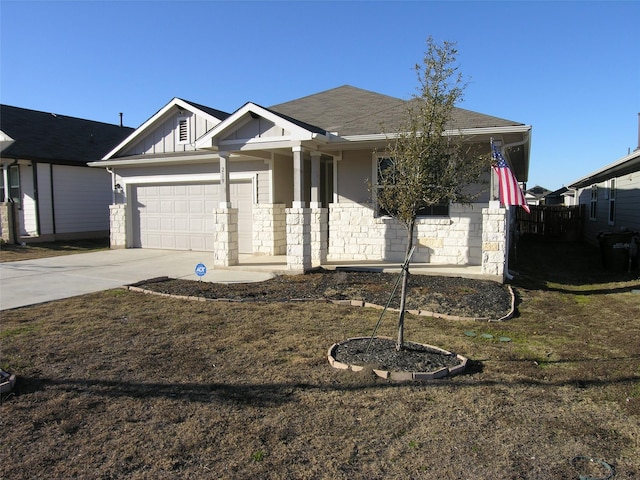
(551, 222)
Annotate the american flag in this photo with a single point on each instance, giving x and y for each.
(510, 191)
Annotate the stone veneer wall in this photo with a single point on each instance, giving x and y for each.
(6, 219)
(117, 226)
(269, 229)
(319, 241)
(225, 237)
(298, 239)
(355, 233)
(494, 240)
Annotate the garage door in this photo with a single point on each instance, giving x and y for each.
(179, 217)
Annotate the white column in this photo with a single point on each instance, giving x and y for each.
(5, 176)
(298, 178)
(315, 180)
(225, 196)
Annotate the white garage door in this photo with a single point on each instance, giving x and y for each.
(179, 217)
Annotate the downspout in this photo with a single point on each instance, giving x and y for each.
(503, 149)
(113, 184)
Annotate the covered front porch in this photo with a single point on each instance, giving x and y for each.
(277, 265)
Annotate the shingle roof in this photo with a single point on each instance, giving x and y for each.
(219, 114)
(352, 111)
(52, 138)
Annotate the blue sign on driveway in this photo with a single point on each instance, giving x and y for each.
(201, 270)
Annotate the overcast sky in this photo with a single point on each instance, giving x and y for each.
(569, 69)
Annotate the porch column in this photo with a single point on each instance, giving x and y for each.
(315, 180)
(118, 226)
(225, 196)
(298, 239)
(298, 177)
(319, 216)
(225, 241)
(494, 239)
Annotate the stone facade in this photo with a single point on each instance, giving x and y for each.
(319, 239)
(118, 226)
(355, 233)
(298, 239)
(225, 240)
(269, 229)
(494, 240)
(6, 219)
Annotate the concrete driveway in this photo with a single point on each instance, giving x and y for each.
(35, 281)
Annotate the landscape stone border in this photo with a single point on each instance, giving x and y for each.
(400, 376)
(351, 303)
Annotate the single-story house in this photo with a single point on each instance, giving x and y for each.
(47, 190)
(536, 195)
(611, 196)
(295, 179)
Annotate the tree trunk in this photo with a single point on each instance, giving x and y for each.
(403, 294)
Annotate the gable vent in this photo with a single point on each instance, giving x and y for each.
(183, 130)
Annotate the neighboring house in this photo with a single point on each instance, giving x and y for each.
(47, 190)
(536, 195)
(611, 196)
(557, 197)
(294, 179)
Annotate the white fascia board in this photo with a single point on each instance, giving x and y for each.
(5, 140)
(463, 131)
(237, 118)
(138, 162)
(138, 132)
(635, 155)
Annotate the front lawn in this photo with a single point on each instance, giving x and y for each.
(121, 384)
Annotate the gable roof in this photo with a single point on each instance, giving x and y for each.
(297, 130)
(348, 111)
(52, 138)
(212, 114)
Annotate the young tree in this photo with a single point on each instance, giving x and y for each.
(427, 162)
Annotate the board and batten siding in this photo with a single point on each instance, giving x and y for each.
(627, 207)
(28, 223)
(164, 138)
(81, 199)
(628, 202)
(45, 201)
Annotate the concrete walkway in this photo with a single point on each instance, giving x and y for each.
(30, 282)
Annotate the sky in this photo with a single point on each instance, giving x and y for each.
(570, 69)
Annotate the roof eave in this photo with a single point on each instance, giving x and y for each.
(621, 165)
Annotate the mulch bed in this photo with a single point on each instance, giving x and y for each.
(453, 296)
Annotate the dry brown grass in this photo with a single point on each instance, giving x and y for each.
(10, 252)
(126, 385)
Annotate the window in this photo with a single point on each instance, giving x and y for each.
(612, 201)
(594, 202)
(183, 130)
(384, 166)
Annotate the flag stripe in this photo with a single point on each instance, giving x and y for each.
(510, 191)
